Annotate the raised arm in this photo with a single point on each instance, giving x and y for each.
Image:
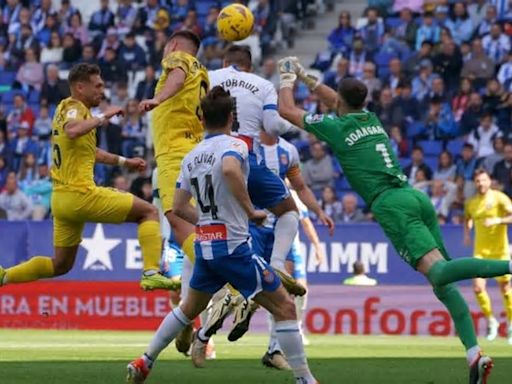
(133, 164)
(172, 86)
(76, 128)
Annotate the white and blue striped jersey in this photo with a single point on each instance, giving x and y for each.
(252, 95)
(223, 224)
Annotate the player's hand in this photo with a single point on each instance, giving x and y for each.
(112, 111)
(258, 217)
(319, 254)
(491, 221)
(287, 74)
(327, 221)
(148, 104)
(135, 164)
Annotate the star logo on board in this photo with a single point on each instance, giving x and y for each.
(98, 249)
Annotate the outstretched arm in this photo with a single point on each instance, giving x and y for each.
(172, 86)
(134, 164)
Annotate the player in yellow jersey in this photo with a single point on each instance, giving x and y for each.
(76, 199)
(176, 121)
(488, 212)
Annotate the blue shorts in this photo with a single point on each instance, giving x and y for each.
(246, 272)
(262, 242)
(266, 189)
(171, 263)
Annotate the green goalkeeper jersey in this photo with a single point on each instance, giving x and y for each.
(362, 147)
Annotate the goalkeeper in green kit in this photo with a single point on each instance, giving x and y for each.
(406, 215)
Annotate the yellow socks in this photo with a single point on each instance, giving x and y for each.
(150, 241)
(484, 301)
(38, 267)
(188, 247)
(507, 304)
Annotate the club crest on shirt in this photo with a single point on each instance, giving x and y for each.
(311, 119)
(284, 159)
(268, 276)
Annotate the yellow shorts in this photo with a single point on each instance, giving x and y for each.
(169, 166)
(504, 257)
(72, 209)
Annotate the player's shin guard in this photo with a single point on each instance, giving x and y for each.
(285, 231)
(38, 267)
(484, 301)
(450, 296)
(290, 340)
(507, 304)
(188, 247)
(171, 325)
(445, 272)
(150, 241)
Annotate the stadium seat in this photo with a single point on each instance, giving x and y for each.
(431, 148)
(414, 129)
(382, 59)
(432, 162)
(8, 97)
(33, 97)
(455, 146)
(393, 22)
(203, 7)
(404, 161)
(7, 77)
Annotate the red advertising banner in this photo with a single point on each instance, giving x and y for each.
(389, 310)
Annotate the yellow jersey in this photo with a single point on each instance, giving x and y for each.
(73, 160)
(489, 241)
(179, 117)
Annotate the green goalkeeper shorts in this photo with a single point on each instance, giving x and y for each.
(409, 220)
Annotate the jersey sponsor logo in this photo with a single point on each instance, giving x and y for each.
(360, 133)
(211, 232)
(72, 113)
(313, 119)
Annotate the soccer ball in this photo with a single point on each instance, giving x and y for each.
(235, 22)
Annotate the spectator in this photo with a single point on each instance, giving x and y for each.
(438, 90)
(11, 11)
(53, 52)
(441, 199)
(319, 171)
(51, 25)
(66, 11)
(389, 113)
(330, 204)
(111, 41)
(421, 183)
(493, 96)
(461, 100)
(126, 16)
(4, 171)
(359, 278)
(109, 138)
(156, 49)
(448, 63)
(412, 65)
(502, 173)
(373, 32)
(395, 77)
(77, 29)
(439, 122)
(30, 76)
(20, 113)
(121, 183)
(408, 104)
(496, 44)
(483, 137)
(132, 54)
(471, 116)
(398, 143)
(209, 36)
(465, 52)
(19, 45)
(446, 169)
(72, 51)
(41, 15)
(460, 25)
(43, 125)
(441, 16)
(120, 94)
(332, 79)
(467, 164)
(480, 67)
(88, 54)
(13, 201)
(484, 27)
(357, 58)
(28, 171)
(505, 73)
(427, 31)
(477, 11)
(417, 163)
(350, 212)
(490, 161)
(5, 149)
(112, 69)
(341, 38)
(40, 193)
(101, 20)
(269, 71)
(146, 87)
(134, 128)
(370, 79)
(147, 18)
(408, 28)
(22, 145)
(54, 89)
(422, 84)
(23, 19)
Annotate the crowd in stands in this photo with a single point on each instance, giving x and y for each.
(439, 76)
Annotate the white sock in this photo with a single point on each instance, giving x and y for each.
(291, 341)
(285, 231)
(300, 307)
(169, 328)
(472, 354)
(273, 343)
(510, 266)
(202, 337)
(186, 275)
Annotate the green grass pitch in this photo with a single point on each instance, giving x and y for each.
(69, 357)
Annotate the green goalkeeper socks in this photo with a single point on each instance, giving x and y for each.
(445, 272)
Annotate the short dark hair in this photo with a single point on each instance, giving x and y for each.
(239, 55)
(468, 146)
(480, 171)
(217, 105)
(417, 148)
(83, 72)
(188, 35)
(353, 92)
(358, 268)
